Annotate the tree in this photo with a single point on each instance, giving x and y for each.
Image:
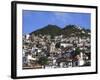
(43, 61)
(77, 51)
(57, 45)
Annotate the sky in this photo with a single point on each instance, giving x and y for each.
(33, 20)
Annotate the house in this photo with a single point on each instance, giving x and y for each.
(27, 36)
(52, 47)
(80, 59)
(66, 45)
(80, 45)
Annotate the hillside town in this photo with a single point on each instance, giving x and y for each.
(42, 51)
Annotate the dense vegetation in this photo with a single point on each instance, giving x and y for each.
(69, 30)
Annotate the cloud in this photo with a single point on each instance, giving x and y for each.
(63, 17)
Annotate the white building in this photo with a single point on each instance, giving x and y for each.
(27, 36)
(81, 61)
(80, 45)
(66, 44)
(52, 47)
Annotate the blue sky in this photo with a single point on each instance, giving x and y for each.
(33, 20)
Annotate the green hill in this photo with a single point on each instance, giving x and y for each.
(68, 30)
(52, 30)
